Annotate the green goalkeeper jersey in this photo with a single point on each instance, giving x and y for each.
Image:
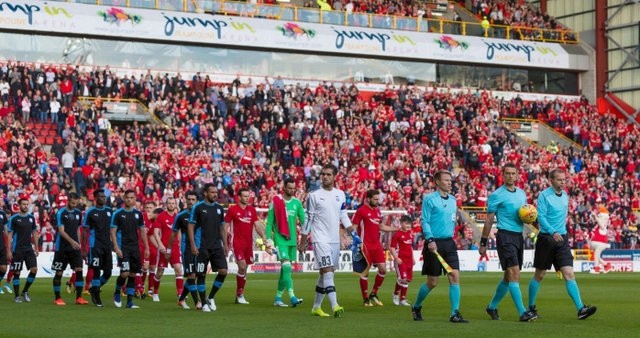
(295, 211)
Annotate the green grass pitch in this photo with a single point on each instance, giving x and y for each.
(615, 294)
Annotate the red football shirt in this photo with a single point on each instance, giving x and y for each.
(402, 241)
(368, 221)
(242, 221)
(164, 222)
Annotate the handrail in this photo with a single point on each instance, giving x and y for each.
(355, 19)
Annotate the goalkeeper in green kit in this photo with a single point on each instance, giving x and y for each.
(282, 237)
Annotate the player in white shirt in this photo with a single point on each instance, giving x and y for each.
(326, 209)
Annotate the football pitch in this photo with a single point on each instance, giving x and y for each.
(616, 295)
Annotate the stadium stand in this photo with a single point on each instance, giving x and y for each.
(246, 134)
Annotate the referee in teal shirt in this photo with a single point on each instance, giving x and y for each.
(552, 247)
(439, 213)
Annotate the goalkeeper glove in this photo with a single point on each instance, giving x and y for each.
(356, 240)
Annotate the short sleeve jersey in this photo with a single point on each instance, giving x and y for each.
(368, 220)
(98, 220)
(242, 220)
(70, 220)
(128, 222)
(22, 226)
(209, 220)
(181, 223)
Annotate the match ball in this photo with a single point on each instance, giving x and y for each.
(528, 213)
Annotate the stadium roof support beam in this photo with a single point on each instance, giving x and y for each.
(601, 47)
(630, 117)
(630, 53)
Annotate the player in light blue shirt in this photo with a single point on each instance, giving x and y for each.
(552, 247)
(504, 204)
(439, 213)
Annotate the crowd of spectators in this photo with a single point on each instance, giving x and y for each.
(412, 8)
(246, 134)
(526, 21)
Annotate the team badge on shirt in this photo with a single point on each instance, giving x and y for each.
(136, 216)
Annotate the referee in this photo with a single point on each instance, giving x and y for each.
(552, 247)
(439, 212)
(504, 203)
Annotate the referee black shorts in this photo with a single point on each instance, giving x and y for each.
(448, 250)
(549, 252)
(510, 248)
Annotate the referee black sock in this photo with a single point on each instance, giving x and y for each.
(30, 278)
(217, 284)
(56, 285)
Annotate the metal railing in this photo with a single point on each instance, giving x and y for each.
(354, 19)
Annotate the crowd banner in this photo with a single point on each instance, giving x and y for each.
(210, 29)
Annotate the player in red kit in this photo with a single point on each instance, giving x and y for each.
(148, 264)
(243, 219)
(368, 223)
(401, 250)
(163, 230)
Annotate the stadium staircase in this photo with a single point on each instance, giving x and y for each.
(45, 132)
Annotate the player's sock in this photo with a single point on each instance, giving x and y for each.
(501, 291)
(106, 274)
(241, 281)
(454, 297)
(378, 282)
(534, 286)
(16, 285)
(403, 291)
(151, 282)
(88, 279)
(330, 289)
(72, 280)
(10, 276)
(79, 283)
(131, 288)
(287, 283)
(140, 282)
(516, 295)
(364, 287)
(57, 280)
(202, 288)
(179, 284)
(397, 288)
(574, 293)
(119, 284)
(193, 289)
(320, 292)
(217, 284)
(30, 278)
(185, 291)
(422, 295)
(156, 284)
